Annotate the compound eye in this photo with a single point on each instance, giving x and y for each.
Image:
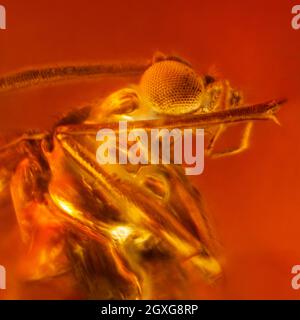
(171, 88)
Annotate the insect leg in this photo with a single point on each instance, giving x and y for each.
(262, 111)
(244, 144)
(223, 97)
(213, 140)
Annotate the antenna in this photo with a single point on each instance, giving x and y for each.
(46, 75)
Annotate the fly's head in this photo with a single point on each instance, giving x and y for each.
(170, 87)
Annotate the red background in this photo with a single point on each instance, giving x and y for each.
(253, 198)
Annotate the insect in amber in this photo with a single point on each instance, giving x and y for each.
(117, 228)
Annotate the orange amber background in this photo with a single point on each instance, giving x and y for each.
(253, 198)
